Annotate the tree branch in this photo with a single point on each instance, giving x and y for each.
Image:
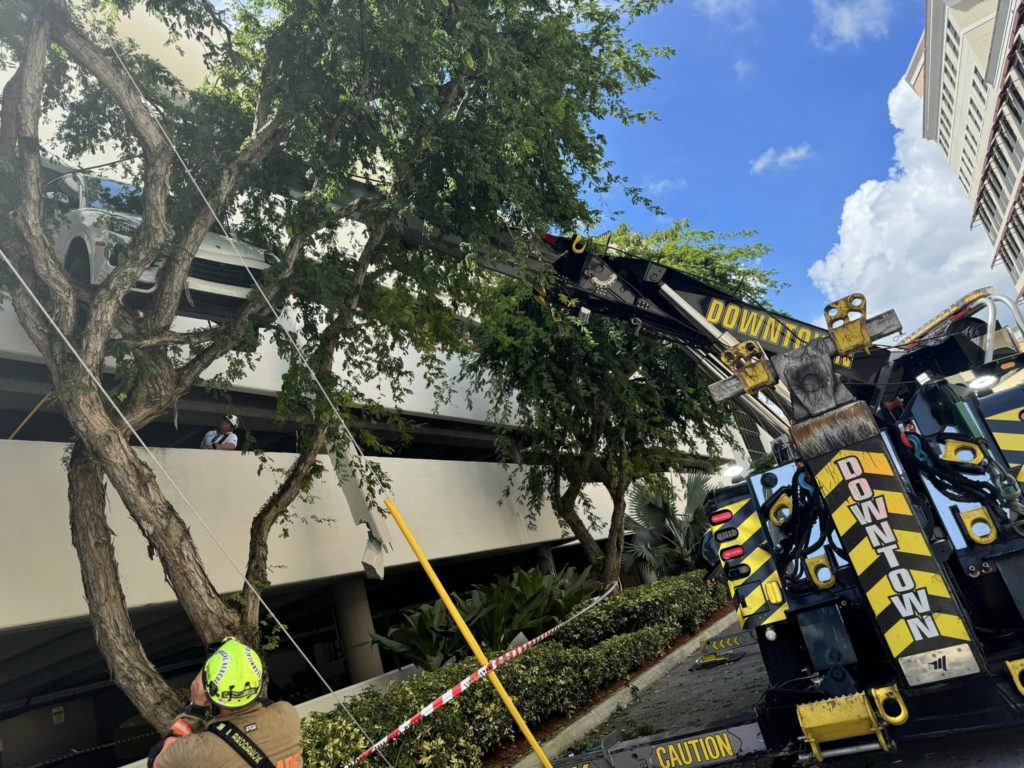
(93, 540)
(147, 240)
(9, 113)
(28, 214)
(168, 338)
(174, 273)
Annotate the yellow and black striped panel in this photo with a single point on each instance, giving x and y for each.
(920, 620)
(1004, 415)
(758, 594)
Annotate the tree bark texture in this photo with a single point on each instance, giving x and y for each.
(156, 518)
(93, 541)
(565, 508)
(617, 485)
(256, 574)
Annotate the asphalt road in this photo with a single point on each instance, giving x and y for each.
(687, 699)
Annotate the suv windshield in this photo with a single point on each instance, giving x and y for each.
(112, 195)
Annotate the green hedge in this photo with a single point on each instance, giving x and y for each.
(553, 679)
(684, 601)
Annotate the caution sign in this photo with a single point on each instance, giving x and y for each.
(750, 571)
(712, 749)
(717, 746)
(920, 620)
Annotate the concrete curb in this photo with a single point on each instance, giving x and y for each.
(591, 719)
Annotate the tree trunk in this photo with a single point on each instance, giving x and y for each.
(129, 667)
(545, 560)
(256, 571)
(616, 485)
(155, 516)
(616, 538)
(566, 510)
(259, 532)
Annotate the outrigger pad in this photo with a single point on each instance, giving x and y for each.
(729, 642)
(717, 659)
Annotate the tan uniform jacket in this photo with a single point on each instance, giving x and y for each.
(274, 729)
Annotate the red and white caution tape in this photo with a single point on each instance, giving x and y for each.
(477, 676)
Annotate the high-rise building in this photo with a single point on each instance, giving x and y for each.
(969, 69)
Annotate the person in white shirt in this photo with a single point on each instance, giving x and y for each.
(223, 438)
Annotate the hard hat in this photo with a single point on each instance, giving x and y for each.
(232, 419)
(233, 675)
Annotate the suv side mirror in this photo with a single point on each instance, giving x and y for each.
(57, 197)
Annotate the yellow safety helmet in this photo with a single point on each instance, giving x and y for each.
(233, 675)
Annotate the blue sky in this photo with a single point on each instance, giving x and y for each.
(804, 85)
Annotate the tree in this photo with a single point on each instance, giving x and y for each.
(597, 403)
(664, 537)
(472, 116)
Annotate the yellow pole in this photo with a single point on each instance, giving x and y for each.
(31, 413)
(466, 634)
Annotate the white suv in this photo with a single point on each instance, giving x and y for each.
(98, 217)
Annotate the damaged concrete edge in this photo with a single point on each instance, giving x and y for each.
(595, 717)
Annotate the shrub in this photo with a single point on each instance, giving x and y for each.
(528, 602)
(427, 637)
(685, 602)
(554, 679)
(665, 538)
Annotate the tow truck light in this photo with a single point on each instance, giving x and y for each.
(726, 534)
(737, 572)
(731, 553)
(721, 517)
(984, 381)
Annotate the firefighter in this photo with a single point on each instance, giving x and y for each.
(228, 723)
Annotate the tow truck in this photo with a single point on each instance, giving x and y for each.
(880, 565)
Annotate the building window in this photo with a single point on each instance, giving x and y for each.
(952, 34)
(749, 433)
(964, 182)
(948, 76)
(980, 89)
(986, 221)
(1012, 147)
(975, 114)
(1018, 57)
(999, 160)
(1013, 111)
(947, 101)
(971, 141)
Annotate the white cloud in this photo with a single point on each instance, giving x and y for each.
(847, 22)
(736, 10)
(906, 242)
(742, 67)
(661, 186)
(773, 158)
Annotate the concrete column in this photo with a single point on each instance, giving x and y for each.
(545, 559)
(352, 609)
